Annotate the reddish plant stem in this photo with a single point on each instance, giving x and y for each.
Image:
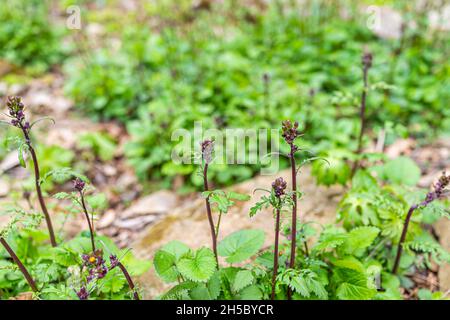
(275, 254)
(19, 263)
(294, 212)
(402, 239)
(37, 179)
(129, 280)
(208, 211)
(90, 223)
(362, 117)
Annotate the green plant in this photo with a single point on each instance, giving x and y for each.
(16, 112)
(277, 199)
(28, 37)
(367, 64)
(438, 193)
(157, 83)
(75, 268)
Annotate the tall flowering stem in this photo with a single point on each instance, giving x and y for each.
(290, 132)
(437, 193)
(367, 64)
(207, 148)
(79, 186)
(116, 263)
(129, 281)
(16, 112)
(279, 187)
(20, 265)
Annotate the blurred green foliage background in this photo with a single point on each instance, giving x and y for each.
(162, 65)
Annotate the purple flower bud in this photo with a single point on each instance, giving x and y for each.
(279, 185)
(290, 131)
(114, 261)
(207, 150)
(439, 189)
(79, 184)
(83, 294)
(101, 272)
(14, 122)
(26, 126)
(367, 60)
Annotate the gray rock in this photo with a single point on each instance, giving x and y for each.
(160, 202)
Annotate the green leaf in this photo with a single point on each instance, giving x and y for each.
(364, 180)
(177, 248)
(349, 262)
(238, 196)
(401, 170)
(178, 291)
(330, 239)
(199, 266)
(207, 291)
(251, 293)
(360, 238)
(243, 279)
(112, 282)
(353, 285)
(241, 245)
(165, 266)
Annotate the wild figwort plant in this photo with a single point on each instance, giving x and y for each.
(277, 199)
(79, 186)
(17, 114)
(207, 148)
(94, 261)
(367, 64)
(438, 193)
(290, 132)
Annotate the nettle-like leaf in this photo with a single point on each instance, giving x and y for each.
(166, 258)
(305, 282)
(113, 282)
(357, 208)
(360, 238)
(224, 200)
(179, 291)
(241, 245)
(353, 285)
(348, 262)
(363, 180)
(402, 171)
(165, 266)
(252, 292)
(197, 266)
(334, 171)
(330, 239)
(207, 291)
(243, 279)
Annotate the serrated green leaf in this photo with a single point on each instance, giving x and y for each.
(251, 293)
(360, 238)
(243, 279)
(241, 245)
(175, 247)
(238, 196)
(353, 285)
(199, 266)
(165, 266)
